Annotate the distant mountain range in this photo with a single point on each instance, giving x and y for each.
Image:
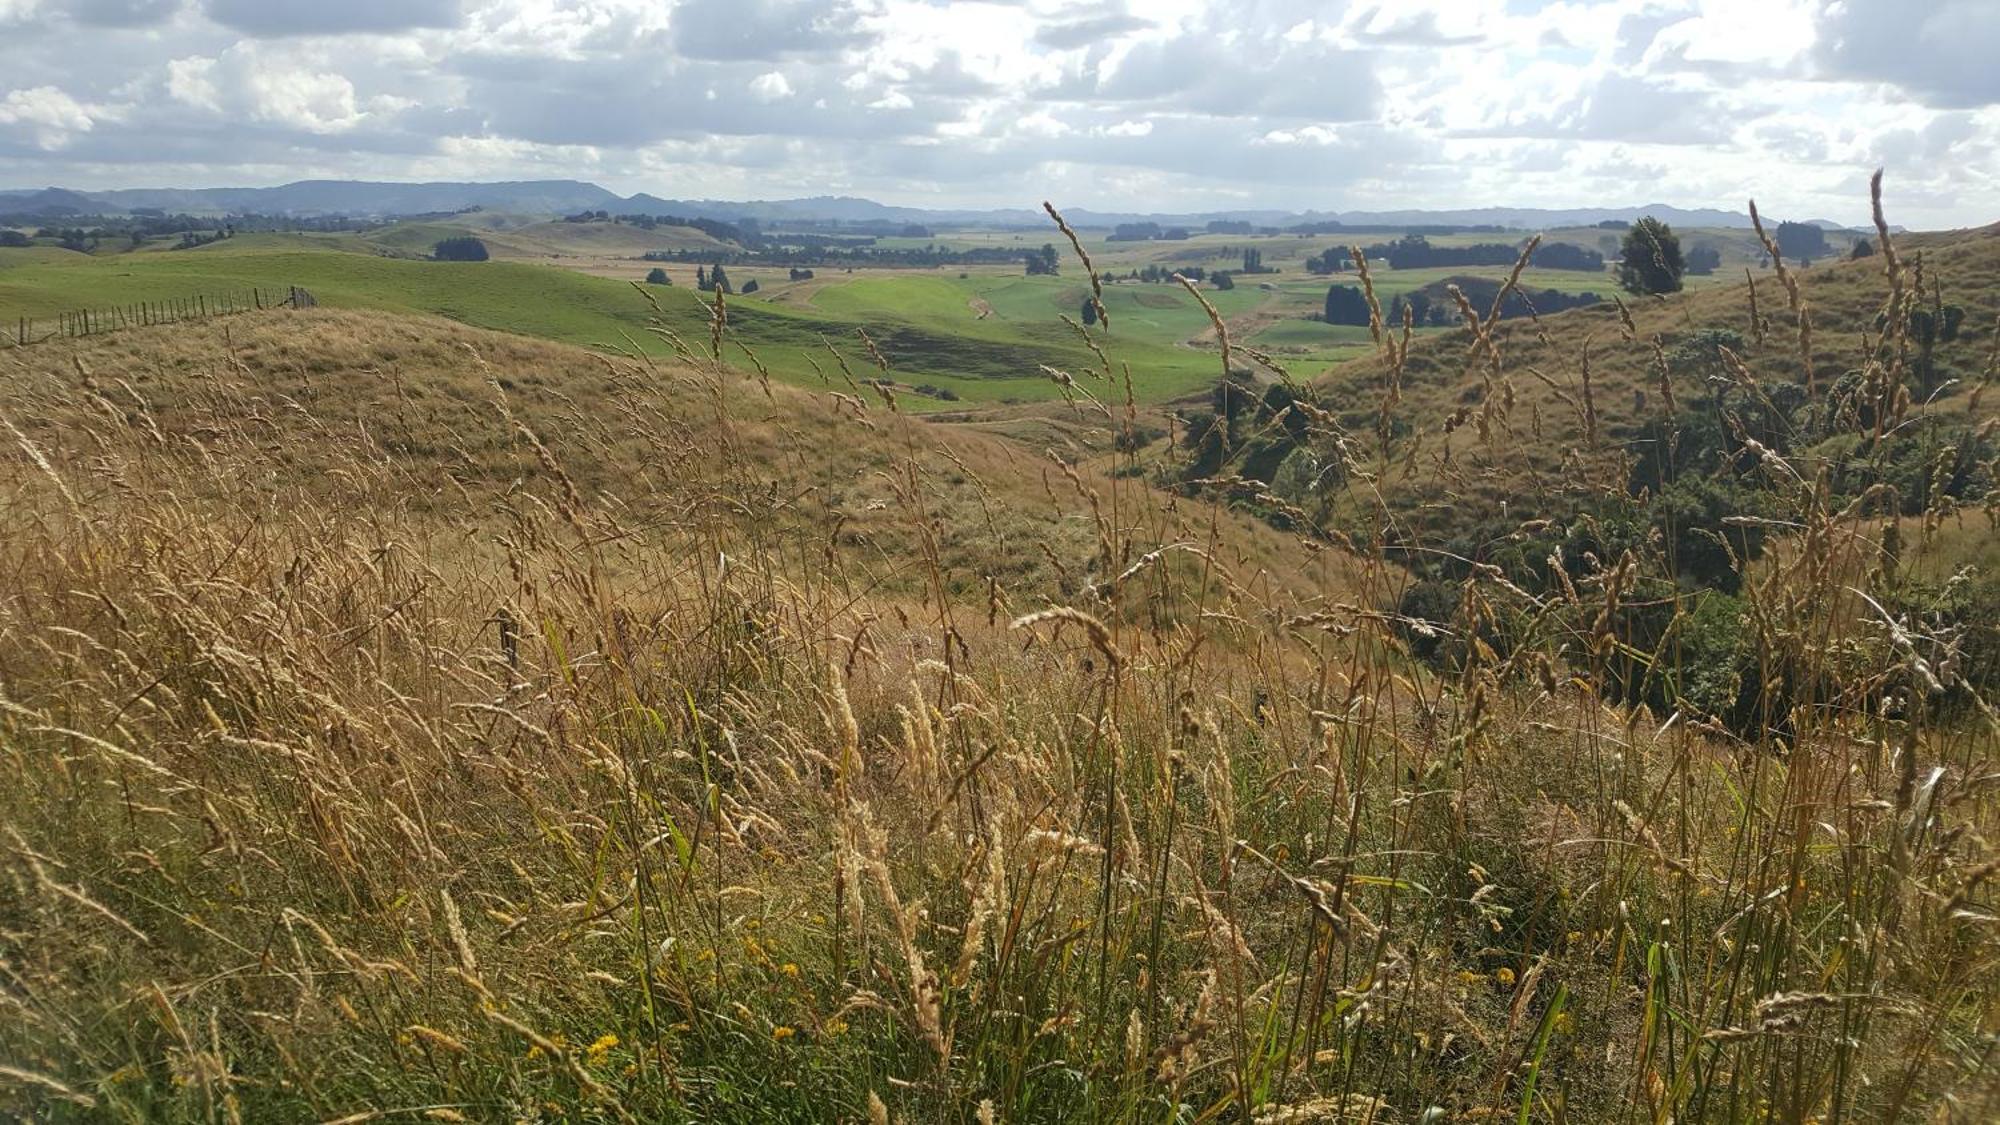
(363, 199)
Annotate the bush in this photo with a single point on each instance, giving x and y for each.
(461, 249)
(658, 276)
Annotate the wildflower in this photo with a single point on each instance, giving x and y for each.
(599, 1047)
(789, 969)
(781, 1032)
(835, 1027)
(1505, 976)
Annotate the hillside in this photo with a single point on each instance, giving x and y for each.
(538, 240)
(427, 393)
(1510, 436)
(928, 329)
(406, 719)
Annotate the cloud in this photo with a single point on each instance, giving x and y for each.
(770, 86)
(1415, 29)
(764, 29)
(1942, 51)
(1201, 71)
(123, 13)
(49, 114)
(1089, 31)
(1329, 104)
(331, 17)
(246, 83)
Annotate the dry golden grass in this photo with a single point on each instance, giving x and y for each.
(403, 722)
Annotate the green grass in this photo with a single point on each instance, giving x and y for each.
(929, 323)
(922, 323)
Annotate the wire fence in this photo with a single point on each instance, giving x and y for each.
(141, 314)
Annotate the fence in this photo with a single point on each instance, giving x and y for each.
(139, 314)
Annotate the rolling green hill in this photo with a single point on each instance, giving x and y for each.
(543, 240)
(913, 321)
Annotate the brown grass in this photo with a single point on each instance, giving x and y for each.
(400, 721)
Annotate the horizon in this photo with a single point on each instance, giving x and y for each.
(1026, 206)
(1171, 108)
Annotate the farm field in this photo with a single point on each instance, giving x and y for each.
(977, 335)
(980, 334)
(925, 326)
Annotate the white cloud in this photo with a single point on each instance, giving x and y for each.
(770, 86)
(282, 89)
(1332, 104)
(50, 114)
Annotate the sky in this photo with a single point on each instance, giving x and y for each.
(1156, 105)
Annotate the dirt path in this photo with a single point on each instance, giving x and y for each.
(980, 308)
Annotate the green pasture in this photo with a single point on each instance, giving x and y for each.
(925, 324)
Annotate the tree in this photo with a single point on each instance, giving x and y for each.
(1862, 249)
(750, 286)
(1704, 259)
(1224, 281)
(1650, 259)
(1333, 260)
(658, 276)
(1345, 304)
(1043, 261)
(462, 249)
(1253, 261)
(701, 278)
(718, 280)
(15, 238)
(1089, 312)
(1564, 256)
(1419, 303)
(1800, 240)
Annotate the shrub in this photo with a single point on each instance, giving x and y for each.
(461, 249)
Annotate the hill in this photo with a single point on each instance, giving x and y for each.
(557, 197)
(403, 718)
(927, 331)
(1534, 414)
(363, 198)
(534, 241)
